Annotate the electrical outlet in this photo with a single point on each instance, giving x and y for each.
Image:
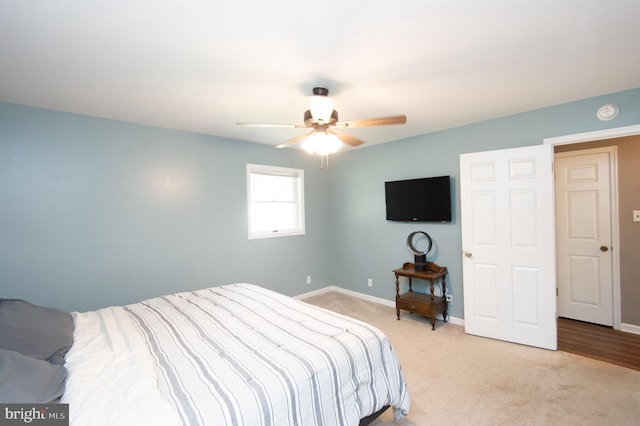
(449, 299)
(370, 282)
(308, 279)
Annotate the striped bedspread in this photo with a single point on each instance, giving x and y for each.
(243, 355)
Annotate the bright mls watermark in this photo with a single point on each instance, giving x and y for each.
(34, 414)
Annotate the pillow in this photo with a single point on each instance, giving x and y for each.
(35, 331)
(28, 380)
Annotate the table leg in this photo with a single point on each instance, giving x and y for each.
(433, 318)
(397, 295)
(445, 314)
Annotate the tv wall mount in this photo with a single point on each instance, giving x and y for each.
(420, 256)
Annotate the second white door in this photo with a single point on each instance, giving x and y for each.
(583, 240)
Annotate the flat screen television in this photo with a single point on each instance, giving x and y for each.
(419, 200)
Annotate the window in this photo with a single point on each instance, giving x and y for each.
(275, 201)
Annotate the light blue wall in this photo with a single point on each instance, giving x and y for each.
(365, 245)
(96, 212)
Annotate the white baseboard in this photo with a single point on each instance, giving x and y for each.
(374, 299)
(630, 328)
(315, 292)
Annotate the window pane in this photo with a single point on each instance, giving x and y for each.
(273, 188)
(268, 217)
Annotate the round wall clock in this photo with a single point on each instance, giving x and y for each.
(607, 112)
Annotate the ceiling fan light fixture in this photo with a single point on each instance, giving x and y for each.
(322, 143)
(321, 105)
(309, 144)
(329, 144)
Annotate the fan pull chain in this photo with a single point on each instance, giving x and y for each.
(323, 159)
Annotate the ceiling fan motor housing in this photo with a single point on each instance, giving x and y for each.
(320, 91)
(309, 121)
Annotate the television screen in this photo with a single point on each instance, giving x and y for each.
(419, 200)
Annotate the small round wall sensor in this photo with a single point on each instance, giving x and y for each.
(607, 112)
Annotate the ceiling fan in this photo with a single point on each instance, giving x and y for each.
(326, 135)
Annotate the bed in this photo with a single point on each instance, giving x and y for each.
(236, 354)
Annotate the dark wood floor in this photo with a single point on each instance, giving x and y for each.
(599, 342)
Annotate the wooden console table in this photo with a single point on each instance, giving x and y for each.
(428, 305)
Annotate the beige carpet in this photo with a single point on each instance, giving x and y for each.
(458, 379)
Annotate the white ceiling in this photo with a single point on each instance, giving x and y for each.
(202, 66)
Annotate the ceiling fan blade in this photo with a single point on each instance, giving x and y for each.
(380, 121)
(346, 138)
(295, 139)
(291, 126)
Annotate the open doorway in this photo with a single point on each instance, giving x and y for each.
(625, 232)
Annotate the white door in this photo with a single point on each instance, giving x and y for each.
(508, 242)
(583, 235)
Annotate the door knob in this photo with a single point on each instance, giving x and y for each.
(604, 248)
(467, 253)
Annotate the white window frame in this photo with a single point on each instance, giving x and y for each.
(298, 176)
